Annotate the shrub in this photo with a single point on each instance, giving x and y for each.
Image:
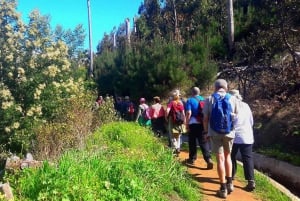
(122, 161)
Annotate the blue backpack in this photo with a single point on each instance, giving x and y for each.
(220, 117)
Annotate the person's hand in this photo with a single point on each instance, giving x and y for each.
(205, 136)
(187, 127)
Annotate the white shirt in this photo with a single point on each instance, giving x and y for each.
(243, 124)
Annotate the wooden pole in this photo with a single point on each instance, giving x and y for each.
(90, 40)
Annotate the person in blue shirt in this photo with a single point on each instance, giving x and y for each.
(194, 125)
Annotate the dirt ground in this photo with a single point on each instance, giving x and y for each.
(209, 182)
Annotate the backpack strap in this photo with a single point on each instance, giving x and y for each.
(199, 102)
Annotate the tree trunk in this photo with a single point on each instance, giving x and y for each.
(230, 25)
(177, 33)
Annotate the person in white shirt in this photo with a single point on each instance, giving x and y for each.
(243, 141)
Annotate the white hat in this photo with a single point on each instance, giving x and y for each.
(236, 93)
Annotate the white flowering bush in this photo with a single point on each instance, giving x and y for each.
(35, 77)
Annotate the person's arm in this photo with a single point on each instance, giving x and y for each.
(168, 110)
(206, 116)
(184, 117)
(188, 116)
(138, 113)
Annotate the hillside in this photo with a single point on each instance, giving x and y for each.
(277, 125)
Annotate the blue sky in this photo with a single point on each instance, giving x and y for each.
(105, 14)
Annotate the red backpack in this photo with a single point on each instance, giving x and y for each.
(199, 116)
(130, 108)
(176, 112)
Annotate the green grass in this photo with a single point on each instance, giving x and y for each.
(122, 161)
(280, 153)
(264, 190)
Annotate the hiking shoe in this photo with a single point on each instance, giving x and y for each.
(230, 187)
(177, 152)
(189, 161)
(251, 185)
(210, 164)
(222, 193)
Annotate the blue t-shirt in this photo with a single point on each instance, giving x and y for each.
(192, 105)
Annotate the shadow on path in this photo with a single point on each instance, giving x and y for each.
(208, 182)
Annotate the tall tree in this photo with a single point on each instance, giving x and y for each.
(74, 39)
(230, 25)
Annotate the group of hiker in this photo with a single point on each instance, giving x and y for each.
(220, 124)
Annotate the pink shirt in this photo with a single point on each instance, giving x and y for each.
(157, 110)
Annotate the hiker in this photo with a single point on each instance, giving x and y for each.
(128, 109)
(243, 141)
(175, 129)
(118, 105)
(99, 100)
(194, 125)
(218, 111)
(157, 115)
(142, 116)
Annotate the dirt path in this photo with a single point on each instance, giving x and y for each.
(209, 182)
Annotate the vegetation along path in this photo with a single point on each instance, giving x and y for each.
(209, 182)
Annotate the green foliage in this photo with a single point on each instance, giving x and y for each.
(272, 192)
(35, 77)
(279, 152)
(69, 129)
(264, 188)
(76, 119)
(123, 161)
(105, 113)
(158, 67)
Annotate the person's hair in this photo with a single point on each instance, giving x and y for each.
(176, 97)
(236, 94)
(156, 99)
(195, 91)
(221, 83)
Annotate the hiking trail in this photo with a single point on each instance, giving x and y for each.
(208, 181)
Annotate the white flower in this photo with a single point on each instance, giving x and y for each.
(21, 71)
(6, 104)
(42, 86)
(16, 125)
(19, 108)
(30, 113)
(7, 129)
(9, 57)
(10, 75)
(53, 70)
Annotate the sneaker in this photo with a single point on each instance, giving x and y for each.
(210, 164)
(230, 187)
(189, 161)
(222, 193)
(251, 185)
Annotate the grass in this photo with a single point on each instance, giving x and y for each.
(264, 190)
(121, 161)
(280, 153)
